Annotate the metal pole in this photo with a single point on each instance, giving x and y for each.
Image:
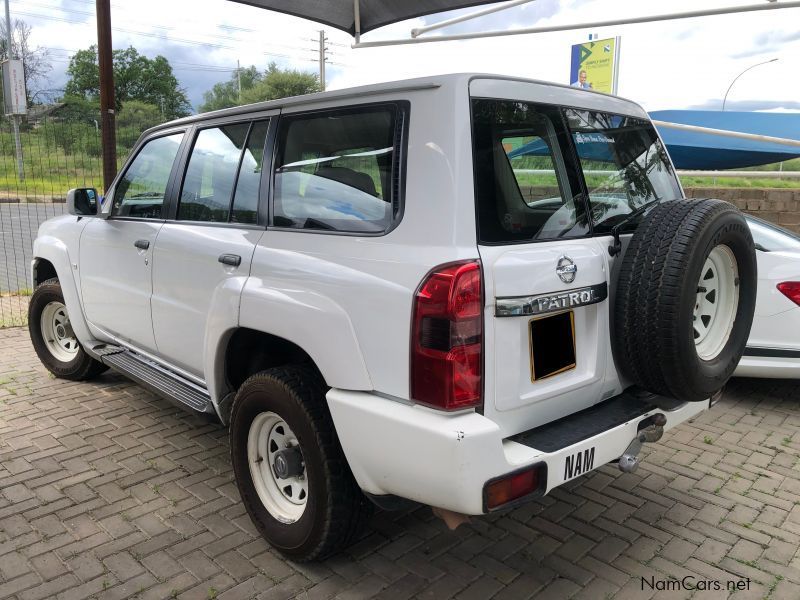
(322, 41)
(239, 79)
(725, 99)
(14, 118)
(572, 26)
(486, 11)
(107, 102)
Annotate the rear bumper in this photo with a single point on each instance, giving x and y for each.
(445, 459)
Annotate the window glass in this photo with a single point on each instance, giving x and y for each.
(771, 238)
(624, 164)
(140, 192)
(523, 189)
(208, 185)
(245, 201)
(335, 171)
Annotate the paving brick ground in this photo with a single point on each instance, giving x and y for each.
(109, 492)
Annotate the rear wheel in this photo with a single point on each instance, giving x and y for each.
(685, 299)
(290, 469)
(53, 337)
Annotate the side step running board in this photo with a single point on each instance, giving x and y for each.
(156, 378)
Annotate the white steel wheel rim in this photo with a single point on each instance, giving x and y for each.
(716, 303)
(284, 499)
(57, 332)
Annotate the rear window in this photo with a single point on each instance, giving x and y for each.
(525, 190)
(544, 172)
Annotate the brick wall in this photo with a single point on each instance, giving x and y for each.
(779, 206)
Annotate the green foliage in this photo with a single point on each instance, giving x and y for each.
(272, 84)
(226, 93)
(281, 83)
(135, 118)
(136, 77)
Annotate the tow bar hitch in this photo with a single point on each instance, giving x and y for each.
(652, 432)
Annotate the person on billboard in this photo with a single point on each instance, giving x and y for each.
(582, 83)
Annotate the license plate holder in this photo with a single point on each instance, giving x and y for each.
(552, 345)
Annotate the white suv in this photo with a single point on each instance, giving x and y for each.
(461, 291)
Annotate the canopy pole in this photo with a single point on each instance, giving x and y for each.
(728, 133)
(592, 25)
(357, 18)
(486, 11)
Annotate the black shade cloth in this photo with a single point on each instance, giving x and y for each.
(373, 13)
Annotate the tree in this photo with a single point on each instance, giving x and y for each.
(136, 77)
(36, 63)
(226, 94)
(274, 83)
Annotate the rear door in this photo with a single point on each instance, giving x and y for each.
(557, 170)
(203, 253)
(546, 278)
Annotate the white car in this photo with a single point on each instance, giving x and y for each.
(773, 349)
(364, 285)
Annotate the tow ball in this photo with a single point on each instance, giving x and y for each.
(652, 432)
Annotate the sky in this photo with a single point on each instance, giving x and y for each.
(668, 65)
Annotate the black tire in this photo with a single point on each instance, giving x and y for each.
(657, 290)
(82, 367)
(335, 509)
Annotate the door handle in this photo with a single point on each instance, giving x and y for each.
(232, 260)
(142, 244)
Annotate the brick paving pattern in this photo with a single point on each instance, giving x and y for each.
(109, 492)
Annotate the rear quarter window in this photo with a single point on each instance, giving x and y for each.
(339, 170)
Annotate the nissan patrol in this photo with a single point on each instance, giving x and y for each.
(461, 291)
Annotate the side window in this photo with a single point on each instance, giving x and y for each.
(335, 170)
(531, 160)
(140, 192)
(245, 202)
(210, 176)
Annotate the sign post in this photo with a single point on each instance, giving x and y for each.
(15, 98)
(595, 65)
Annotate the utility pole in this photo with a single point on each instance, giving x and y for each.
(239, 79)
(322, 49)
(14, 118)
(107, 102)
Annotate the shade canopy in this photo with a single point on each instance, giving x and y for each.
(373, 13)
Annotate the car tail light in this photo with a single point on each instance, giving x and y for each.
(790, 289)
(447, 338)
(512, 487)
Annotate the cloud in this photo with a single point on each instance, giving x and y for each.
(671, 64)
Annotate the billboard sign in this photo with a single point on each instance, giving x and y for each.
(595, 65)
(15, 99)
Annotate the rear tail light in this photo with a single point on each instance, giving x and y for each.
(508, 488)
(790, 289)
(447, 338)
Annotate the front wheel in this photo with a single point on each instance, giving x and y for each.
(53, 338)
(290, 469)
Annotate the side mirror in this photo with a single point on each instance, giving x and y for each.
(82, 202)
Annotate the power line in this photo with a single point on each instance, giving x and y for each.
(149, 25)
(166, 38)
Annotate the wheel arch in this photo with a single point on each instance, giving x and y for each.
(244, 351)
(51, 258)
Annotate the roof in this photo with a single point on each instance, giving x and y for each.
(373, 13)
(365, 91)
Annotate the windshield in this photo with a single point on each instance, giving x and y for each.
(545, 172)
(771, 238)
